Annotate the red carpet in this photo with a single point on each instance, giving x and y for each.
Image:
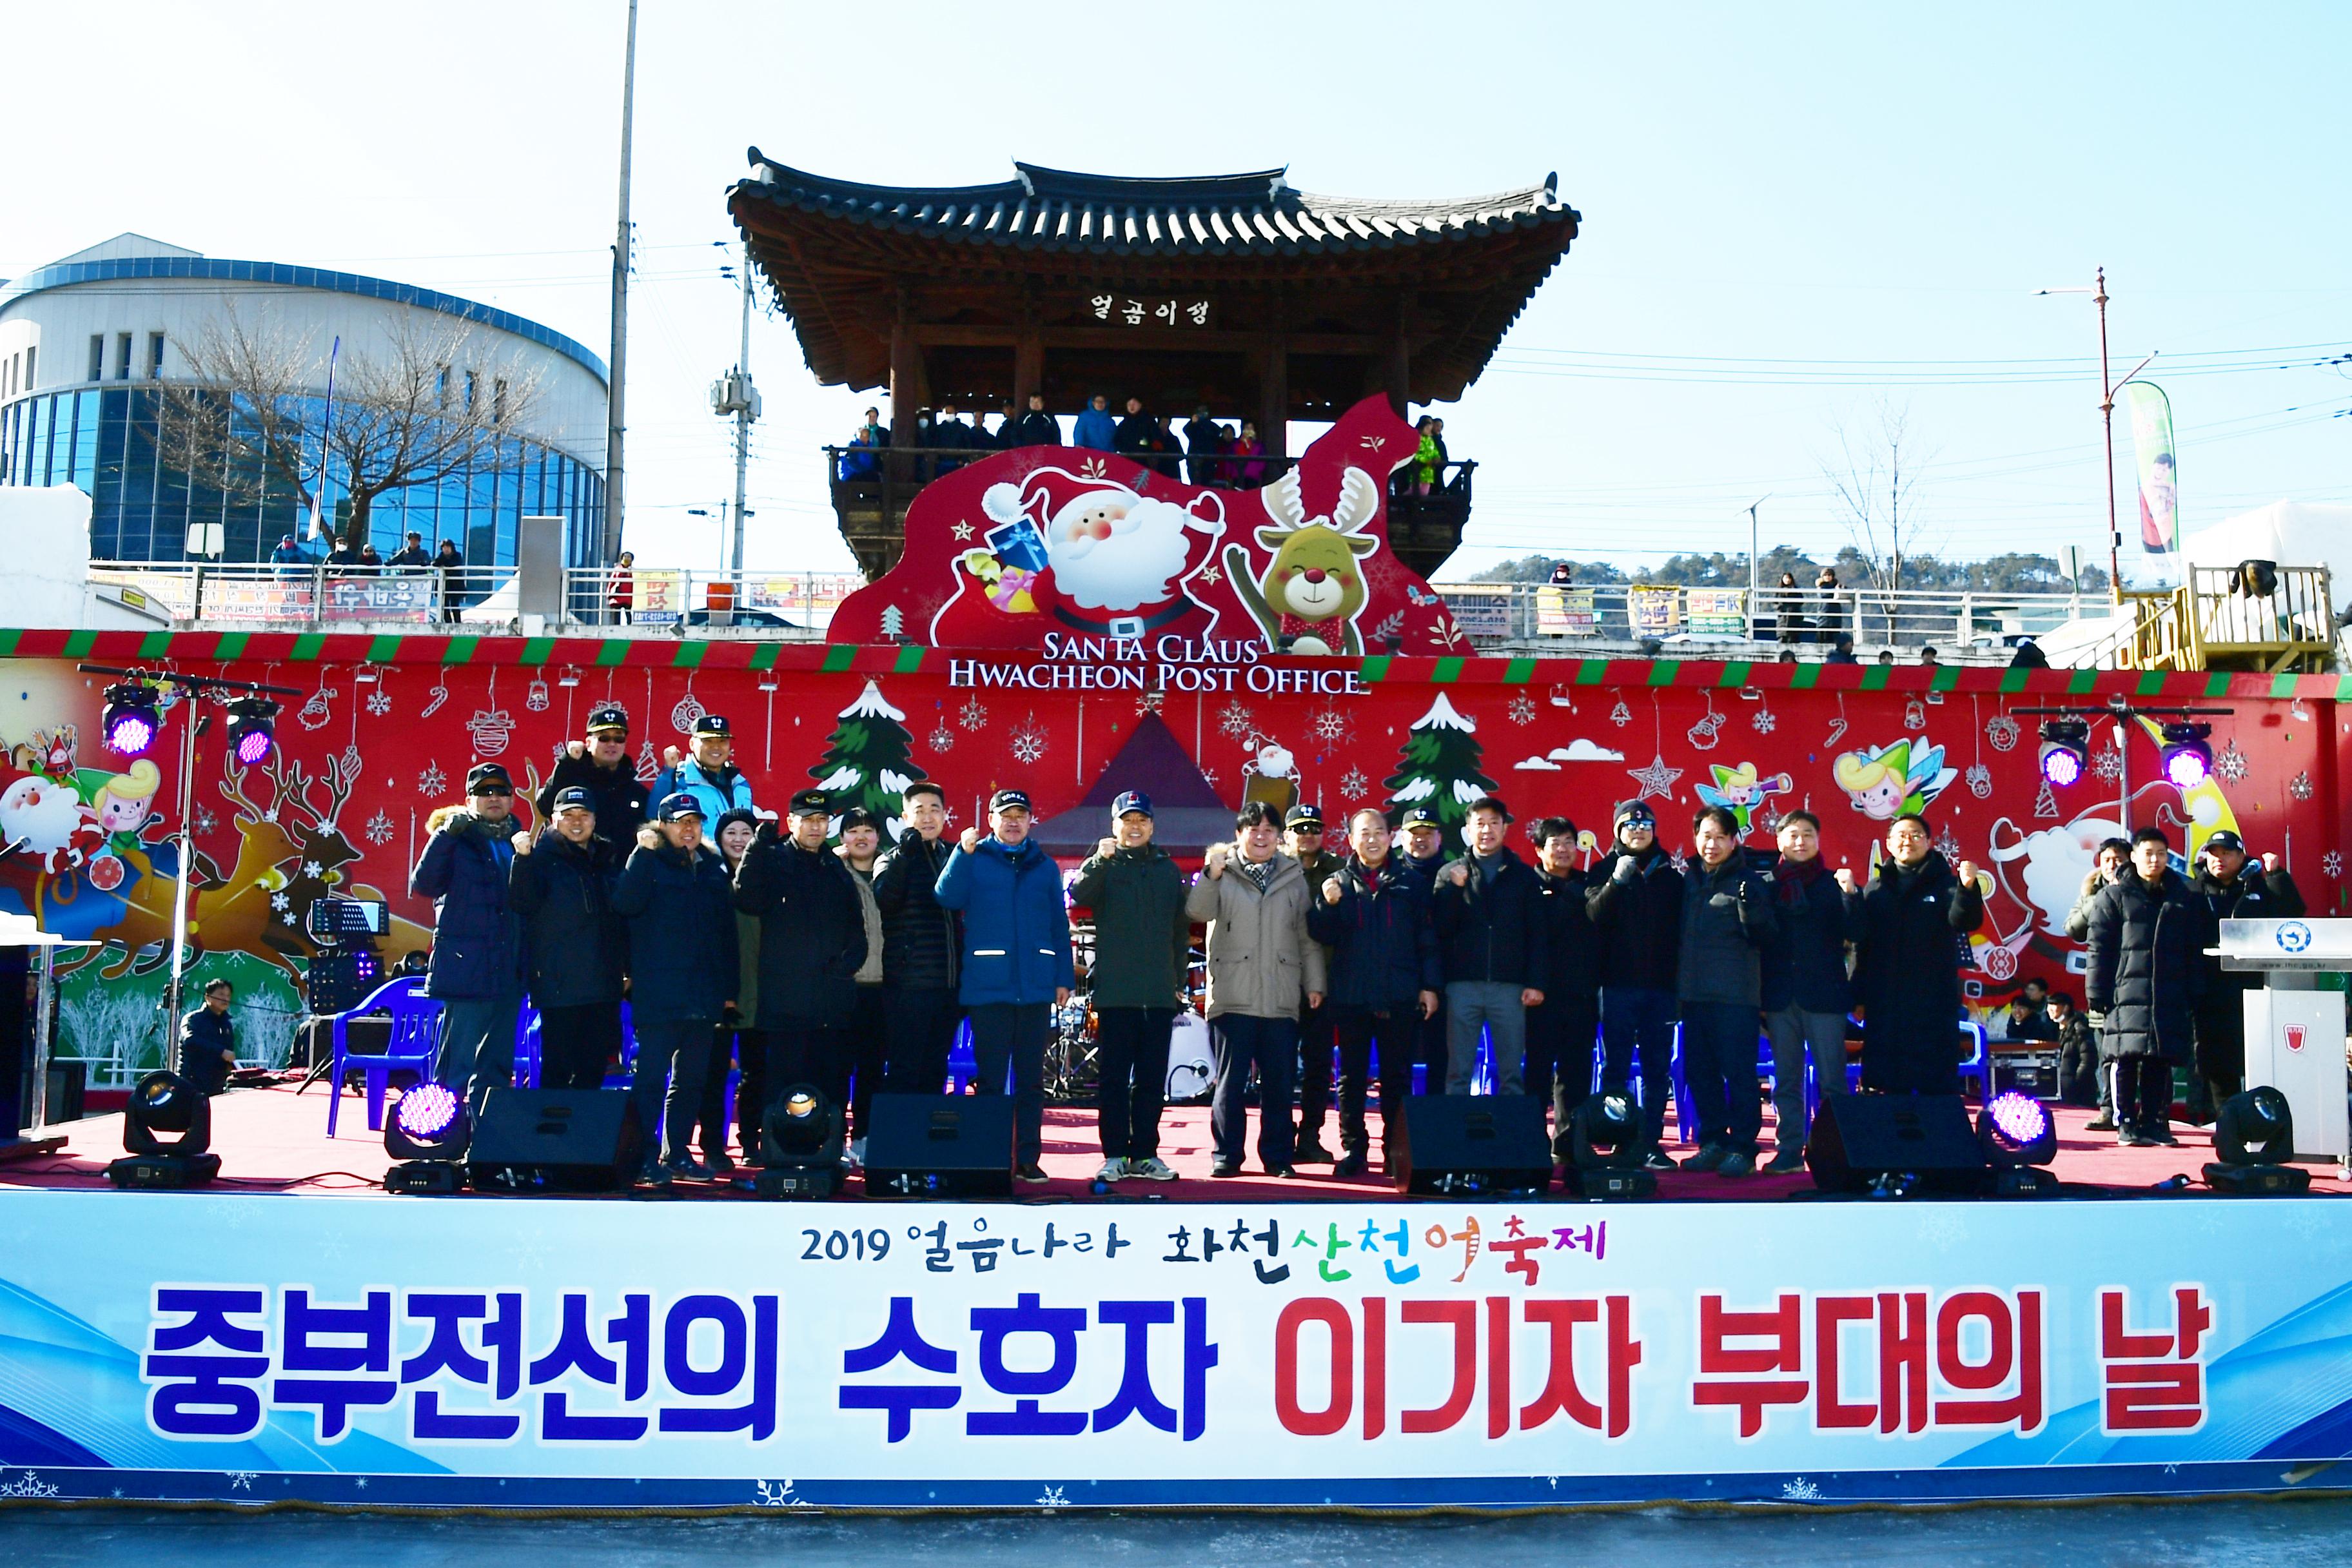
(274, 1140)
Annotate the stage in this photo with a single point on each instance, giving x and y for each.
(273, 1139)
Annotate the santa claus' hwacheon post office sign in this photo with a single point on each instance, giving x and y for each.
(1124, 579)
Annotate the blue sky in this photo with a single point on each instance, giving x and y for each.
(1790, 213)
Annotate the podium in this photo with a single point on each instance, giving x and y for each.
(2294, 1031)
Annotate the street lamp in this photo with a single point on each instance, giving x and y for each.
(2098, 292)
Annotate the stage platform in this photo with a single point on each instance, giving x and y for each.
(273, 1139)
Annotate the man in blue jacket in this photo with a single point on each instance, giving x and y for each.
(1017, 966)
(1383, 975)
(476, 972)
(682, 966)
(710, 776)
(207, 1042)
(1096, 430)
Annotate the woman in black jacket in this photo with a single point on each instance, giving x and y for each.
(1385, 979)
(1914, 917)
(1727, 915)
(2145, 974)
(574, 948)
(1636, 905)
(682, 973)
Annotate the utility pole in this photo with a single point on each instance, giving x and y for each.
(2108, 418)
(1755, 570)
(616, 390)
(743, 420)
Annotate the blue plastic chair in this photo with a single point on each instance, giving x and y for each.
(1979, 1064)
(527, 1032)
(623, 1077)
(414, 1043)
(963, 1064)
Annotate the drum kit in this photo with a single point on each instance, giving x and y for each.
(1073, 1064)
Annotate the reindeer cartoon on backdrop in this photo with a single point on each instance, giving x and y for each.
(1307, 600)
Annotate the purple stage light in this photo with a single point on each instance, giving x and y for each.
(2019, 1117)
(131, 733)
(253, 747)
(426, 1111)
(131, 719)
(2061, 765)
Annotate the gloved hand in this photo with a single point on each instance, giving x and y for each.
(1626, 870)
(458, 822)
(1724, 901)
(765, 835)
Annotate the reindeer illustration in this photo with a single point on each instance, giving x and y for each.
(317, 851)
(1313, 589)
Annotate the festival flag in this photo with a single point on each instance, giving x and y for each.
(2151, 424)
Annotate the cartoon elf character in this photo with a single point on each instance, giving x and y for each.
(1885, 782)
(1740, 792)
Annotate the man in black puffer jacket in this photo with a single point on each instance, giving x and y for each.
(920, 942)
(1914, 917)
(1806, 993)
(1561, 1033)
(2147, 973)
(476, 972)
(1727, 916)
(682, 973)
(574, 947)
(1384, 973)
(1490, 927)
(1143, 946)
(2233, 888)
(1636, 905)
(601, 765)
(812, 945)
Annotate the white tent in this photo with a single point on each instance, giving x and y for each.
(2290, 533)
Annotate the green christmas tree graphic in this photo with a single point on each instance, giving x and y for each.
(868, 760)
(1438, 767)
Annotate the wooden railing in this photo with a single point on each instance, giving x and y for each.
(2219, 619)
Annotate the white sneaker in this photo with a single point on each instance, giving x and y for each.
(1112, 1171)
(1152, 1170)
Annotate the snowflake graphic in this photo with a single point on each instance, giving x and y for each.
(379, 702)
(2002, 732)
(240, 1480)
(280, 901)
(973, 714)
(2228, 763)
(1353, 784)
(1028, 741)
(1522, 709)
(2108, 763)
(1049, 1502)
(30, 1485)
(1764, 719)
(1949, 842)
(1801, 1491)
(2300, 786)
(943, 739)
(379, 830)
(777, 1494)
(361, 1482)
(1332, 726)
(312, 870)
(1235, 721)
(2332, 863)
(206, 820)
(432, 781)
(1151, 701)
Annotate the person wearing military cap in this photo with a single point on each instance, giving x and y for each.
(682, 975)
(476, 972)
(1143, 943)
(575, 948)
(812, 945)
(710, 774)
(1636, 907)
(1420, 856)
(1304, 836)
(600, 765)
(920, 944)
(861, 845)
(1017, 966)
(2232, 887)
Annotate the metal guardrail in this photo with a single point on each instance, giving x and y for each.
(648, 600)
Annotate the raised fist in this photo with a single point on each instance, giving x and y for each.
(575, 749)
(670, 755)
(1458, 873)
(1105, 847)
(1330, 890)
(1213, 858)
(1626, 869)
(649, 838)
(2270, 863)
(1845, 880)
(521, 842)
(1968, 873)
(765, 835)
(968, 840)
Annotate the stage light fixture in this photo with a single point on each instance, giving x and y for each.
(801, 1145)
(2016, 1135)
(252, 723)
(2188, 755)
(1604, 1145)
(2253, 1133)
(427, 1132)
(2066, 751)
(131, 719)
(164, 1102)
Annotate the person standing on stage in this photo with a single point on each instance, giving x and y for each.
(1490, 928)
(733, 1042)
(476, 972)
(921, 943)
(1303, 836)
(1636, 905)
(710, 776)
(1806, 992)
(1426, 853)
(601, 765)
(2112, 865)
(1372, 916)
(1727, 916)
(1017, 965)
(2146, 976)
(575, 948)
(207, 1041)
(1263, 965)
(1561, 1033)
(682, 973)
(1916, 918)
(2233, 889)
(861, 842)
(812, 945)
(1143, 946)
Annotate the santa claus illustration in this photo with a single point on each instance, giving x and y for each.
(1113, 560)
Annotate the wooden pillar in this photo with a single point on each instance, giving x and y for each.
(907, 391)
(1274, 397)
(1028, 365)
(1398, 371)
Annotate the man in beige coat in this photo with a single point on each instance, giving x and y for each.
(1262, 967)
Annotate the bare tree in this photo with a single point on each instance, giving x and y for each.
(430, 400)
(1875, 479)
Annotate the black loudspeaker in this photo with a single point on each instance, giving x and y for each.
(555, 1139)
(1894, 1144)
(1471, 1144)
(940, 1146)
